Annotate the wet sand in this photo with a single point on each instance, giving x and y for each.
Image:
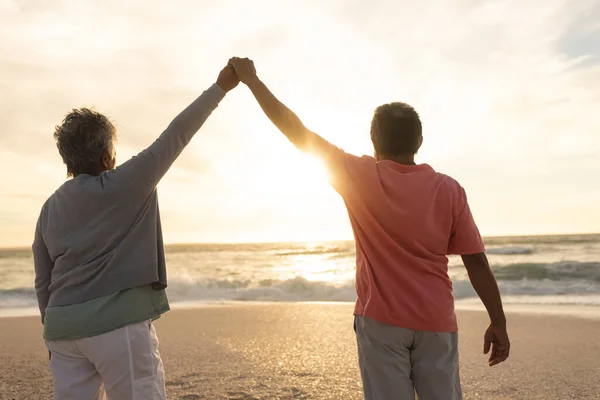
(308, 351)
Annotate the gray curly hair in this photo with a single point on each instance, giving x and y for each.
(83, 139)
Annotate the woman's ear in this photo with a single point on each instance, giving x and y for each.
(109, 160)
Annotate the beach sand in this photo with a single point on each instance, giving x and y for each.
(308, 351)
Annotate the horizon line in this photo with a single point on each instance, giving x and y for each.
(171, 244)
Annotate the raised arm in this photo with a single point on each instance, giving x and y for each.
(144, 171)
(483, 281)
(282, 117)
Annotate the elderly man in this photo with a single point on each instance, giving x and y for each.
(99, 257)
(406, 218)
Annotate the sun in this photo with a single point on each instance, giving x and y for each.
(310, 168)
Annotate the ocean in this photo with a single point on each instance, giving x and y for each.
(531, 270)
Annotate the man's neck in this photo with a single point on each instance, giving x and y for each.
(403, 159)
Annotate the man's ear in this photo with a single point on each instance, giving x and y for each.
(374, 143)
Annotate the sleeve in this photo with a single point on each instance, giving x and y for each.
(465, 237)
(141, 174)
(346, 171)
(43, 265)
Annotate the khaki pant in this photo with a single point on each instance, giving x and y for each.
(395, 362)
(123, 364)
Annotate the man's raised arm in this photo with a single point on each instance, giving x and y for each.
(282, 117)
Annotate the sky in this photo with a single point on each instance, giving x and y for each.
(508, 91)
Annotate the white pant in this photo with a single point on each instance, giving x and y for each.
(123, 364)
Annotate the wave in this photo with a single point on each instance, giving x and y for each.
(542, 240)
(536, 289)
(300, 289)
(557, 271)
(560, 279)
(510, 250)
(18, 298)
(557, 279)
(294, 289)
(184, 290)
(318, 251)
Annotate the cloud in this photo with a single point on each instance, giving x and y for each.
(508, 92)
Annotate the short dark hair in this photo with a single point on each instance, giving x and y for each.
(396, 129)
(83, 139)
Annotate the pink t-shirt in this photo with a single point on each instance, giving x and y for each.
(405, 219)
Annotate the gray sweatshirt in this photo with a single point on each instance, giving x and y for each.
(98, 235)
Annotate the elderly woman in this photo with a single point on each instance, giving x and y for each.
(99, 257)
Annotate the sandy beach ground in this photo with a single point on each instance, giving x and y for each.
(308, 351)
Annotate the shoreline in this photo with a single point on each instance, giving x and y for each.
(558, 310)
